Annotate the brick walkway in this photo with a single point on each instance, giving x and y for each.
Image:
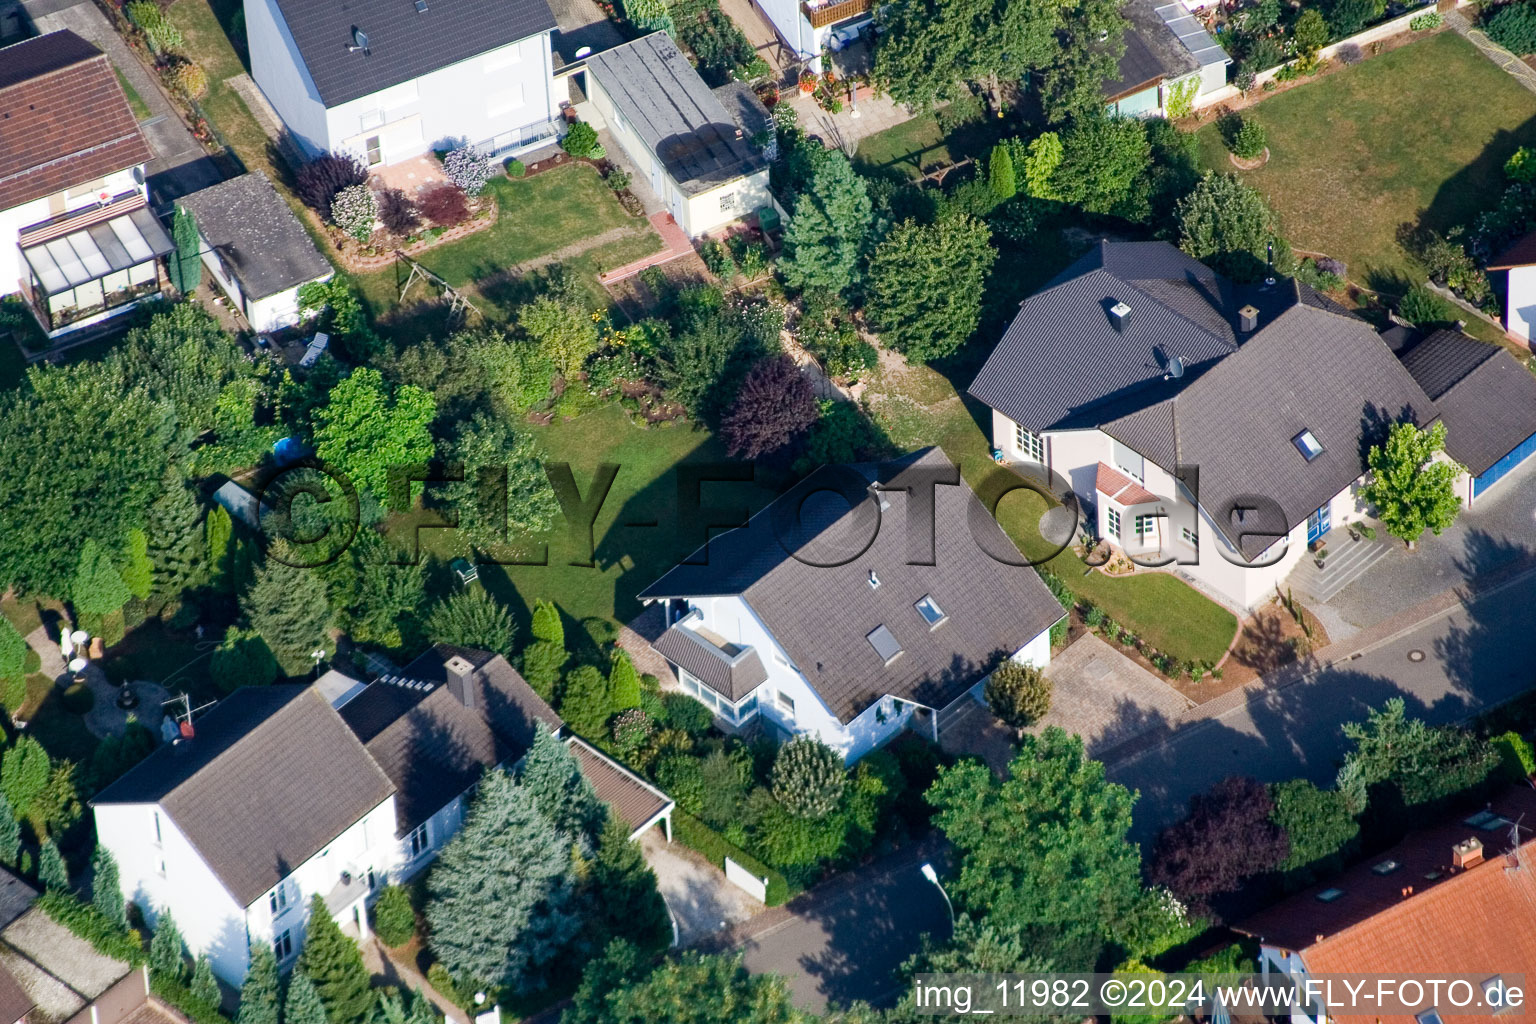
(1516, 67)
(677, 244)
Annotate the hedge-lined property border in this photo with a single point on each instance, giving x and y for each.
(90, 924)
(697, 836)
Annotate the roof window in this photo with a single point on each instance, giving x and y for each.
(1386, 867)
(1329, 895)
(1306, 442)
(929, 609)
(884, 644)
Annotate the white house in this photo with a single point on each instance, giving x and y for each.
(255, 249)
(1518, 264)
(77, 238)
(1456, 899)
(394, 80)
(840, 621)
(280, 795)
(1169, 58)
(703, 151)
(1218, 429)
(809, 27)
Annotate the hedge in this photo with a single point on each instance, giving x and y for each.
(93, 926)
(180, 997)
(696, 835)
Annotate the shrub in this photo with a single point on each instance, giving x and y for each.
(697, 836)
(398, 212)
(354, 211)
(469, 169)
(1318, 827)
(773, 408)
(517, 169)
(1513, 27)
(318, 181)
(445, 206)
(687, 714)
(90, 924)
(162, 34)
(1244, 136)
(393, 917)
(1018, 693)
(617, 180)
(439, 978)
(1422, 306)
(682, 777)
(1425, 22)
(1518, 754)
(580, 141)
(808, 778)
(1521, 166)
(190, 78)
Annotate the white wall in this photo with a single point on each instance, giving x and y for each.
(746, 195)
(1521, 302)
(794, 28)
(441, 827)
(13, 269)
(169, 872)
(280, 72)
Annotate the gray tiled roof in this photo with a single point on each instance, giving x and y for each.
(245, 789)
(1152, 51)
(700, 142)
(1486, 399)
(822, 616)
(732, 677)
(256, 235)
(430, 745)
(635, 801)
(402, 43)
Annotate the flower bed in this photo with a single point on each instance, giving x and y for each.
(354, 255)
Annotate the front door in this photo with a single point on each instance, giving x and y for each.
(1319, 523)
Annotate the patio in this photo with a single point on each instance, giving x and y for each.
(411, 176)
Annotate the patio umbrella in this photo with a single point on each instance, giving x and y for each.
(66, 644)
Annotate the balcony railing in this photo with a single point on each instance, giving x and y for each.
(828, 14)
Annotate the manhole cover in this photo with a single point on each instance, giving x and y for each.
(1415, 655)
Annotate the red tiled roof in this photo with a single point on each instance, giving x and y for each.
(1521, 253)
(1442, 923)
(64, 120)
(1125, 491)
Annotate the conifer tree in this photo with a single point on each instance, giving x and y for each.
(138, 573)
(621, 893)
(51, 871)
(165, 949)
(1001, 176)
(335, 965)
(552, 778)
(204, 986)
(500, 896)
(584, 705)
(303, 1005)
(10, 834)
(260, 995)
(290, 608)
(107, 888)
(623, 683)
(98, 586)
(546, 623)
(825, 234)
(219, 540)
(178, 548)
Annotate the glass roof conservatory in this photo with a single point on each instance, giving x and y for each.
(97, 268)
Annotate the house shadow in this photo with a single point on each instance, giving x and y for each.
(1476, 186)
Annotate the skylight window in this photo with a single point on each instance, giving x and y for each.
(1329, 895)
(884, 644)
(929, 609)
(1306, 442)
(1386, 867)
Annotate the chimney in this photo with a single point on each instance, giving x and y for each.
(461, 676)
(1467, 854)
(1117, 315)
(1247, 318)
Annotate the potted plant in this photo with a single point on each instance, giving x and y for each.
(807, 82)
(1321, 554)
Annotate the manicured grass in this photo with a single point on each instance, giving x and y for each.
(628, 555)
(538, 216)
(141, 111)
(920, 145)
(1416, 136)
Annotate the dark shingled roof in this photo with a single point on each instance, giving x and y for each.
(635, 801)
(1152, 52)
(700, 142)
(1521, 253)
(402, 43)
(429, 743)
(1486, 399)
(822, 617)
(14, 1001)
(245, 790)
(1062, 364)
(731, 675)
(64, 119)
(257, 236)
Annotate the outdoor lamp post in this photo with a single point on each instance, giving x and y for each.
(933, 876)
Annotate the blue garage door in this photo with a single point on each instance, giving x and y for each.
(1500, 469)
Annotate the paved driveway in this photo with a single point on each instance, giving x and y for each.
(701, 900)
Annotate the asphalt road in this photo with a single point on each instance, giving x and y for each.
(1446, 669)
(847, 947)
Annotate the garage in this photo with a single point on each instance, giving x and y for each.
(1501, 469)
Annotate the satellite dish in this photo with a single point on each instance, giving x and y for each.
(80, 637)
(585, 51)
(78, 665)
(1175, 368)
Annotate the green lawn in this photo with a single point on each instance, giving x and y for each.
(920, 145)
(1416, 136)
(538, 216)
(141, 111)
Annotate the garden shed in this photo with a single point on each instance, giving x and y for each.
(1169, 60)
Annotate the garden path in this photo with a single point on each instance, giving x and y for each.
(1492, 50)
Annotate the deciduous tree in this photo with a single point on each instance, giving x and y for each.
(1410, 490)
(1194, 868)
(1103, 166)
(505, 496)
(499, 897)
(566, 333)
(774, 407)
(1228, 226)
(365, 427)
(926, 283)
(1318, 827)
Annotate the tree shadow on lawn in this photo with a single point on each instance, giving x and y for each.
(1476, 187)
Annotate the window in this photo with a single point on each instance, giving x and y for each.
(278, 900)
(1329, 895)
(1307, 443)
(375, 149)
(778, 656)
(884, 644)
(785, 702)
(748, 709)
(370, 119)
(728, 201)
(1386, 867)
(1146, 526)
(1030, 445)
(419, 841)
(1112, 517)
(282, 945)
(1129, 461)
(1429, 1017)
(1190, 536)
(929, 609)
